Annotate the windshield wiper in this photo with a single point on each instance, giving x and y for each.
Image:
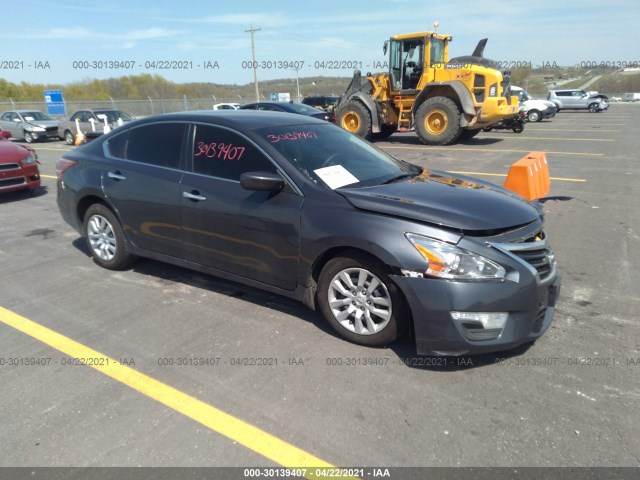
(402, 176)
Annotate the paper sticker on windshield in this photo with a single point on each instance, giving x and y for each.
(335, 176)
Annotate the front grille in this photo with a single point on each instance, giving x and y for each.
(52, 129)
(538, 259)
(9, 166)
(11, 182)
(533, 251)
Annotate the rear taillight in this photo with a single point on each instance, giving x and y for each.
(62, 165)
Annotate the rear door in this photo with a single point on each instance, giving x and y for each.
(248, 233)
(142, 182)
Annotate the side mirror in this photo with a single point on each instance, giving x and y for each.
(261, 181)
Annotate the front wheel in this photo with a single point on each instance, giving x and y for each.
(69, 137)
(534, 116)
(104, 236)
(593, 108)
(438, 121)
(360, 302)
(355, 118)
(28, 137)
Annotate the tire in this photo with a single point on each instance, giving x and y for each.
(593, 107)
(69, 137)
(105, 239)
(468, 134)
(355, 118)
(355, 317)
(518, 129)
(28, 137)
(385, 132)
(534, 116)
(438, 121)
(487, 129)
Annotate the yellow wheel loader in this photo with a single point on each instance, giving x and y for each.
(443, 99)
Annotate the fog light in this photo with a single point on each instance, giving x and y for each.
(481, 325)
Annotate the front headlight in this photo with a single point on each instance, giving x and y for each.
(38, 129)
(449, 261)
(29, 160)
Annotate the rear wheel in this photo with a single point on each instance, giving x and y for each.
(104, 236)
(355, 118)
(360, 302)
(438, 121)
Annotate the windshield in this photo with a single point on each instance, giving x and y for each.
(29, 116)
(330, 156)
(113, 115)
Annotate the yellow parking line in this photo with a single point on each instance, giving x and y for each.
(558, 130)
(253, 438)
(520, 137)
(488, 150)
(49, 176)
(560, 179)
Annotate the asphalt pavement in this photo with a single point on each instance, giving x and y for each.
(197, 361)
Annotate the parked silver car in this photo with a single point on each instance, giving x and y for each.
(91, 123)
(575, 99)
(30, 125)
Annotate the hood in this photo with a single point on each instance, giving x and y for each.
(13, 153)
(437, 198)
(43, 123)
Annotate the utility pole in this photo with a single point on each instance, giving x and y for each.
(297, 85)
(253, 54)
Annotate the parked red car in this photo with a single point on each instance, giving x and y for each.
(18, 166)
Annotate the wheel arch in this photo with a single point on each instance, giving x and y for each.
(454, 90)
(380, 256)
(370, 104)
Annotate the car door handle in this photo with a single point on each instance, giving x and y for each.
(116, 175)
(194, 195)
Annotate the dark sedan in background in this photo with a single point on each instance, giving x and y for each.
(291, 107)
(302, 208)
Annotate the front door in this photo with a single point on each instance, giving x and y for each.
(248, 233)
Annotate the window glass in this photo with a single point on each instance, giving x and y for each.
(319, 151)
(156, 144)
(221, 153)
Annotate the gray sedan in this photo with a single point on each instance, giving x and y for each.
(297, 206)
(30, 125)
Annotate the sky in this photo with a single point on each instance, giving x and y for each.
(207, 41)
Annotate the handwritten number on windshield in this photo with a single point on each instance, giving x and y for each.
(223, 151)
(292, 136)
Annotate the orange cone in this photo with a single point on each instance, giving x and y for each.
(529, 176)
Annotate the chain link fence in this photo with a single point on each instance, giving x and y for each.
(137, 108)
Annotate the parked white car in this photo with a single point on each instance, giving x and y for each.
(226, 106)
(536, 110)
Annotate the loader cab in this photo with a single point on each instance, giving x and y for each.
(409, 55)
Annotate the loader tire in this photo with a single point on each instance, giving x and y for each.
(437, 121)
(355, 118)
